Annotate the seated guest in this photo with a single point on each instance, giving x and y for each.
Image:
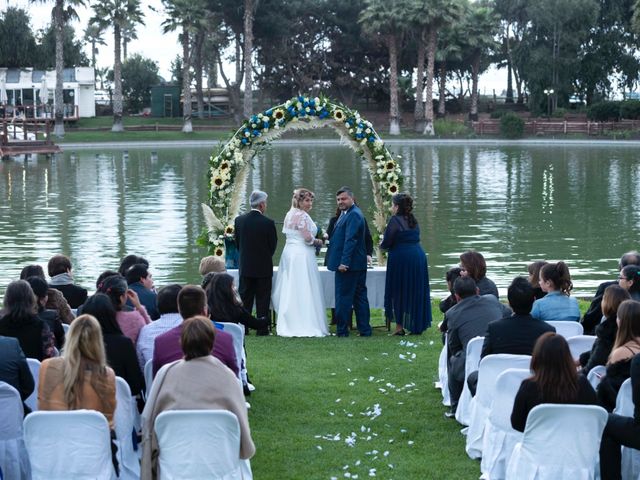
(212, 264)
(516, 334)
(40, 289)
(169, 318)
(101, 278)
(554, 380)
(131, 322)
(472, 264)
(20, 321)
(60, 271)
(121, 354)
(450, 301)
(140, 280)
(606, 331)
(629, 279)
(467, 319)
(55, 299)
(14, 369)
(555, 280)
(199, 381)
(534, 278)
(192, 301)
(129, 261)
(594, 313)
(627, 345)
(621, 431)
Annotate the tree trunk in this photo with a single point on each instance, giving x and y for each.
(442, 94)
(475, 71)
(234, 93)
(248, 48)
(418, 113)
(58, 129)
(187, 127)
(431, 58)
(93, 54)
(197, 63)
(509, 98)
(117, 80)
(394, 110)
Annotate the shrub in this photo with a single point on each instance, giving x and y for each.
(450, 128)
(630, 109)
(511, 126)
(497, 114)
(559, 113)
(603, 111)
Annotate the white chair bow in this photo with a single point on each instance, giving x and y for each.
(625, 407)
(124, 420)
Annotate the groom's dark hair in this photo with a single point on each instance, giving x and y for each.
(346, 190)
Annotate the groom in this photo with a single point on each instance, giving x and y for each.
(347, 257)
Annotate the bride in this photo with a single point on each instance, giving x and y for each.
(297, 296)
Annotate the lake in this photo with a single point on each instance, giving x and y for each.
(514, 203)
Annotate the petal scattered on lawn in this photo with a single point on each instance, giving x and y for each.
(386, 453)
(410, 442)
(318, 447)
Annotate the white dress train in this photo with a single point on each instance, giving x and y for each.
(297, 296)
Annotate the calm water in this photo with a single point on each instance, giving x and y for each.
(514, 204)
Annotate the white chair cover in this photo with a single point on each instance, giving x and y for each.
(490, 367)
(559, 442)
(148, 376)
(66, 327)
(580, 344)
(625, 407)
(567, 328)
(14, 460)
(443, 376)
(32, 400)
(237, 332)
(124, 421)
(200, 444)
(499, 437)
(69, 444)
(474, 348)
(596, 374)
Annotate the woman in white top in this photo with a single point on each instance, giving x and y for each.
(297, 296)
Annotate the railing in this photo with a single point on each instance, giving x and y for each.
(22, 130)
(563, 127)
(38, 112)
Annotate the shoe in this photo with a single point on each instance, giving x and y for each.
(251, 387)
(364, 334)
(246, 390)
(450, 414)
(399, 333)
(262, 333)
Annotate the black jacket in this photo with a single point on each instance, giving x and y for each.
(605, 338)
(516, 334)
(14, 369)
(74, 294)
(256, 239)
(121, 356)
(52, 319)
(594, 314)
(33, 335)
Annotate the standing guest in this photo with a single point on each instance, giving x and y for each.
(121, 353)
(55, 299)
(555, 280)
(593, 316)
(116, 288)
(212, 264)
(129, 261)
(256, 239)
(20, 321)
(40, 290)
(14, 369)
(473, 264)
(60, 271)
(554, 380)
(347, 257)
(534, 278)
(224, 306)
(197, 382)
(607, 330)
(629, 279)
(140, 280)
(406, 295)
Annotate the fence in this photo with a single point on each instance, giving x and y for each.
(546, 127)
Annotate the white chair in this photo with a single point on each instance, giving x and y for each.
(559, 441)
(443, 376)
(200, 444)
(14, 460)
(580, 344)
(68, 444)
(65, 327)
(472, 360)
(499, 437)
(625, 407)
(237, 332)
(596, 374)
(490, 367)
(567, 328)
(32, 400)
(148, 376)
(124, 420)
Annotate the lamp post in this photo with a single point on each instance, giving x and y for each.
(548, 92)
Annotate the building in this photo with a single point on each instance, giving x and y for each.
(167, 101)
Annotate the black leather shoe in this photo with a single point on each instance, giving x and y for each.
(262, 332)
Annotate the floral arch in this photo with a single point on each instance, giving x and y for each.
(230, 163)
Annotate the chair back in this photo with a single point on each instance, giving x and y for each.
(14, 461)
(237, 332)
(580, 344)
(567, 328)
(491, 367)
(507, 385)
(443, 375)
(65, 327)
(596, 374)
(472, 359)
(624, 400)
(68, 444)
(198, 444)
(32, 400)
(148, 376)
(124, 419)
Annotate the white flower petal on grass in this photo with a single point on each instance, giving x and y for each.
(372, 378)
(331, 413)
(386, 453)
(390, 465)
(333, 374)
(410, 442)
(403, 430)
(348, 369)
(357, 463)
(401, 356)
(318, 447)
(351, 384)
(366, 358)
(385, 353)
(345, 467)
(338, 400)
(431, 342)
(347, 475)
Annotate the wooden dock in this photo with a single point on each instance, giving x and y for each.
(35, 138)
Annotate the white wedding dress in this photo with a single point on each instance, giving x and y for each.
(297, 295)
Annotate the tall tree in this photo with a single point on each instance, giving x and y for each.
(93, 35)
(249, 11)
(128, 33)
(139, 74)
(117, 14)
(15, 24)
(514, 22)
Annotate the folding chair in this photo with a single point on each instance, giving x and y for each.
(148, 376)
(567, 328)
(625, 407)
(580, 344)
(32, 400)
(124, 420)
(596, 374)
(14, 459)
(443, 375)
(474, 348)
(237, 332)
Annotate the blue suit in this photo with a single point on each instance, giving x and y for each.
(347, 247)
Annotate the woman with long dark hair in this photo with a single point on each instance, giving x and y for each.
(473, 264)
(131, 322)
(225, 305)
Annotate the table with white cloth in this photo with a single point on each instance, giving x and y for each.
(375, 285)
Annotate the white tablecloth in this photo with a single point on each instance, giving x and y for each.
(375, 285)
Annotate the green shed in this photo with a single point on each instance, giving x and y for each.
(165, 101)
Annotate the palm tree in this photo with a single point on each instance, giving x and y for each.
(93, 36)
(117, 14)
(249, 10)
(128, 33)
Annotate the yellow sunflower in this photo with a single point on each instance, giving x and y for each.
(278, 114)
(390, 165)
(229, 230)
(218, 181)
(338, 115)
(224, 165)
(393, 189)
(219, 252)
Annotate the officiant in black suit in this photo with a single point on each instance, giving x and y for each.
(256, 239)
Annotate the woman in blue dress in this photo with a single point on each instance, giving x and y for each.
(406, 297)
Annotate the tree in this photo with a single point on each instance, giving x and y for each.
(93, 35)
(128, 33)
(21, 51)
(139, 74)
(513, 25)
(249, 11)
(117, 14)
(73, 52)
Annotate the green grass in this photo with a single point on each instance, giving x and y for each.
(110, 137)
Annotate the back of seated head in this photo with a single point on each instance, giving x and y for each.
(520, 295)
(114, 287)
(452, 274)
(534, 270)
(167, 300)
(58, 264)
(31, 271)
(629, 258)
(192, 301)
(212, 263)
(474, 263)
(103, 275)
(129, 261)
(19, 300)
(613, 296)
(137, 272)
(197, 337)
(465, 287)
(208, 278)
(39, 286)
(101, 307)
